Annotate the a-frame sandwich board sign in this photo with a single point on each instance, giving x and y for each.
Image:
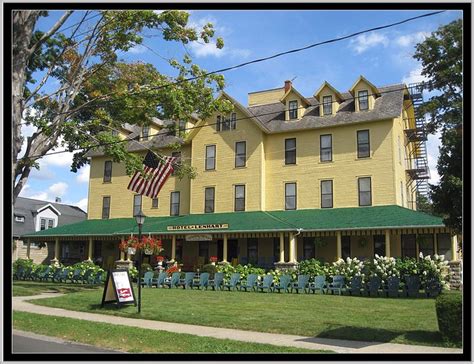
(118, 288)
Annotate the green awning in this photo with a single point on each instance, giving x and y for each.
(375, 217)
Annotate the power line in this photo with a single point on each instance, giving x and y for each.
(333, 40)
(208, 125)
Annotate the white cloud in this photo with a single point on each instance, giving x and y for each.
(138, 49)
(414, 76)
(82, 204)
(365, 41)
(411, 39)
(38, 196)
(83, 176)
(58, 189)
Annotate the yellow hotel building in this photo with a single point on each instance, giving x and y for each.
(283, 179)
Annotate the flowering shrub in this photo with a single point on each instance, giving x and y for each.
(213, 259)
(146, 243)
(244, 271)
(382, 267)
(348, 268)
(172, 269)
(312, 267)
(160, 258)
(407, 267)
(435, 267)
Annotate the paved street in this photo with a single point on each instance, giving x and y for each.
(25, 342)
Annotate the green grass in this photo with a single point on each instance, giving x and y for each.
(30, 288)
(402, 320)
(136, 340)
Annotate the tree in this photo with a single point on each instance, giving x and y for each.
(442, 62)
(85, 91)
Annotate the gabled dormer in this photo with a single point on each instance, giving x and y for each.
(295, 103)
(364, 93)
(329, 99)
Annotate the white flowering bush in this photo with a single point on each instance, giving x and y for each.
(435, 267)
(382, 267)
(348, 268)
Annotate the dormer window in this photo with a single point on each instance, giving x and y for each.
(363, 97)
(327, 105)
(224, 124)
(293, 109)
(145, 132)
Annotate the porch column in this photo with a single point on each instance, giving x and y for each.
(55, 261)
(292, 248)
(282, 248)
(387, 243)
(338, 245)
(28, 248)
(454, 245)
(90, 251)
(173, 247)
(224, 249)
(435, 242)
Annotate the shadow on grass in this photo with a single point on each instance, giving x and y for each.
(365, 335)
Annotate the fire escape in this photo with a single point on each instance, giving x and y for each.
(417, 171)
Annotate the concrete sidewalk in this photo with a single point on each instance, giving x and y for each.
(339, 346)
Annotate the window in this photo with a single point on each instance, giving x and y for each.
(290, 196)
(209, 193)
(108, 171)
(19, 218)
(154, 203)
(379, 245)
(43, 224)
(177, 163)
(137, 204)
(308, 248)
(239, 204)
(252, 250)
(229, 123)
(46, 224)
(145, 132)
(50, 224)
(326, 193)
(346, 247)
(290, 151)
(293, 109)
(204, 249)
(409, 245)
(327, 105)
(240, 154)
(365, 193)
(444, 246)
(65, 250)
(174, 204)
(426, 244)
(363, 144)
(105, 207)
(210, 157)
(363, 100)
(325, 150)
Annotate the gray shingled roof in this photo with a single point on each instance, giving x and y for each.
(27, 208)
(389, 105)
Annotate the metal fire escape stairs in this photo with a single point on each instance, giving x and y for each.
(418, 172)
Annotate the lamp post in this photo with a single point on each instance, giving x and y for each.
(140, 219)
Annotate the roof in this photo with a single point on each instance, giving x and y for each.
(362, 78)
(28, 207)
(388, 106)
(375, 217)
(328, 85)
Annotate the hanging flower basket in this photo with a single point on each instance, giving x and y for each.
(147, 244)
(148, 251)
(131, 251)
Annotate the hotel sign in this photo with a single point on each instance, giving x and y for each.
(197, 227)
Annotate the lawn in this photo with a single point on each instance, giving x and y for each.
(30, 288)
(135, 340)
(402, 320)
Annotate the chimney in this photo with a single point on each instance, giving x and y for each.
(287, 85)
(58, 199)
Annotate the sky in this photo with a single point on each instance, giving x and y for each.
(384, 57)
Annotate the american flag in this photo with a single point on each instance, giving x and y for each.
(156, 172)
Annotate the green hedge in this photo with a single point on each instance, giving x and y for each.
(449, 313)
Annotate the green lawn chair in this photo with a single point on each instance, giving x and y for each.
(337, 284)
(319, 284)
(19, 273)
(234, 281)
(147, 280)
(432, 287)
(97, 278)
(160, 281)
(87, 275)
(173, 281)
(251, 283)
(285, 282)
(266, 284)
(412, 286)
(27, 273)
(355, 286)
(217, 282)
(57, 274)
(63, 277)
(302, 283)
(374, 286)
(393, 285)
(76, 276)
(44, 275)
(203, 281)
(187, 282)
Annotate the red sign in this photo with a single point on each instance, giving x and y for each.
(124, 293)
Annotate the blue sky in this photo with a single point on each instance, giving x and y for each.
(383, 57)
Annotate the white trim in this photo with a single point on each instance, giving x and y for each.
(50, 206)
